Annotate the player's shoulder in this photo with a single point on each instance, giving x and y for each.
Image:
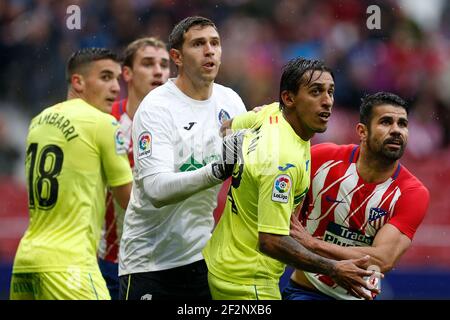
(252, 119)
(334, 151)
(83, 108)
(269, 111)
(74, 108)
(223, 90)
(160, 99)
(408, 181)
(228, 98)
(62, 106)
(45, 113)
(293, 151)
(102, 119)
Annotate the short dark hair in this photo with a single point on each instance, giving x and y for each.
(130, 51)
(176, 38)
(294, 71)
(82, 57)
(369, 101)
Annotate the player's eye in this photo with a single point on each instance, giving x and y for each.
(403, 124)
(315, 92)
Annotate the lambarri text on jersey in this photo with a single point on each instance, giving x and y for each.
(60, 122)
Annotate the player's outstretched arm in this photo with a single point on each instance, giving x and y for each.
(172, 187)
(243, 121)
(346, 273)
(388, 246)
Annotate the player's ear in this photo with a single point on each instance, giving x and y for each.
(127, 73)
(77, 82)
(288, 98)
(176, 56)
(361, 130)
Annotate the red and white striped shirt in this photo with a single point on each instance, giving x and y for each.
(343, 209)
(112, 230)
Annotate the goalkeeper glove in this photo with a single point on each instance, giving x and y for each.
(231, 154)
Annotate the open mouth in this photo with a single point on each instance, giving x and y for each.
(209, 65)
(157, 83)
(325, 115)
(394, 143)
(111, 100)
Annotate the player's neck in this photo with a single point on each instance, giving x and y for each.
(72, 94)
(291, 118)
(133, 102)
(374, 169)
(197, 90)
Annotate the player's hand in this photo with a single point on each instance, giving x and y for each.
(299, 233)
(231, 154)
(225, 128)
(258, 109)
(350, 275)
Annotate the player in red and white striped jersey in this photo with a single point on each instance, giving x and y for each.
(362, 201)
(145, 67)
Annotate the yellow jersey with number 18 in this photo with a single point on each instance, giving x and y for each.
(266, 186)
(73, 152)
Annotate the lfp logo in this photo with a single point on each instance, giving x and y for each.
(281, 188)
(120, 142)
(120, 138)
(282, 184)
(145, 144)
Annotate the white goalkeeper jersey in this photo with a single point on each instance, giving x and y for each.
(173, 133)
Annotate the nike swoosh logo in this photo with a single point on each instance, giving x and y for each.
(191, 124)
(288, 165)
(330, 199)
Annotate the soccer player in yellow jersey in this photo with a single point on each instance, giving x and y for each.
(250, 246)
(74, 150)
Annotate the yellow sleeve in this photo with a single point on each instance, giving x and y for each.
(245, 120)
(113, 152)
(275, 202)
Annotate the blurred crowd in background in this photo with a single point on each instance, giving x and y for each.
(409, 55)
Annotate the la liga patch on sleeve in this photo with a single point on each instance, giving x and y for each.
(281, 188)
(119, 139)
(144, 145)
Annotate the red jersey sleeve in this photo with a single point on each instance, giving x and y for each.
(410, 210)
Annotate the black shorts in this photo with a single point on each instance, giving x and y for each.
(188, 282)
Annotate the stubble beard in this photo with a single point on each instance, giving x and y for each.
(381, 151)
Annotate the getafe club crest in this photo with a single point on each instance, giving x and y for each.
(223, 116)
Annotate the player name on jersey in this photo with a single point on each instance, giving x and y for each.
(60, 122)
